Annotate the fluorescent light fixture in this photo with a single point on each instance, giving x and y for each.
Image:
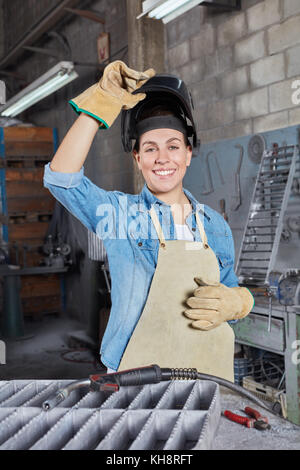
(167, 10)
(57, 77)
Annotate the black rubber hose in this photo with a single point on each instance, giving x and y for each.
(238, 389)
(193, 374)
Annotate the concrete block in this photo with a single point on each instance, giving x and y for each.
(211, 64)
(284, 35)
(294, 116)
(205, 92)
(291, 7)
(252, 104)
(192, 72)
(263, 14)
(281, 95)
(234, 83)
(230, 31)
(189, 24)
(250, 49)
(200, 116)
(184, 27)
(212, 135)
(172, 34)
(225, 58)
(179, 55)
(204, 42)
(218, 62)
(231, 131)
(2, 93)
(293, 62)
(270, 122)
(220, 113)
(267, 70)
(238, 129)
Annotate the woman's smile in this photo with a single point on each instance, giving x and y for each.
(164, 173)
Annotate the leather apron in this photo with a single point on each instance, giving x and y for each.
(163, 335)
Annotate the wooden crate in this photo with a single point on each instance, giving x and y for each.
(34, 306)
(27, 210)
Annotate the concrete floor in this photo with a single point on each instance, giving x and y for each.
(283, 435)
(47, 352)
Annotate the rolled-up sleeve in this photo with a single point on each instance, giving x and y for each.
(93, 206)
(64, 180)
(229, 278)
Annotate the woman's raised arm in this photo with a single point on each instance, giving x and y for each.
(74, 149)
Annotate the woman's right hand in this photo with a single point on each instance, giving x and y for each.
(104, 100)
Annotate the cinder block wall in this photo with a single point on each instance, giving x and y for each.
(240, 66)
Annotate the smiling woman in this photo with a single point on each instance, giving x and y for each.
(159, 246)
(163, 154)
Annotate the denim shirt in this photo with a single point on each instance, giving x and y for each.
(123, 222)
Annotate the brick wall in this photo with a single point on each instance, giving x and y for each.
(240, 66)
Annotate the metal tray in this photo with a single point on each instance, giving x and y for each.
(174, 415)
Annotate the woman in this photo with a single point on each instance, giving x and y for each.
(159, 242)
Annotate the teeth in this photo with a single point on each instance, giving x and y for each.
(164, 172)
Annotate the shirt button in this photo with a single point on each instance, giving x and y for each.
(194, 230)
(140, 244)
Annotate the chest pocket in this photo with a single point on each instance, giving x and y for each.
(145, 244)
(147, 249)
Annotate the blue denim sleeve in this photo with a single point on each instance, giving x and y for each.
(229, 277)
(82, 198)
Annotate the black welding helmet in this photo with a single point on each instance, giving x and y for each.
(162, 89)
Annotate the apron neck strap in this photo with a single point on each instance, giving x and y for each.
(202, 231)
(158, 227)
(160, 234)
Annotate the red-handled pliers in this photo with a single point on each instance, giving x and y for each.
(256, 420)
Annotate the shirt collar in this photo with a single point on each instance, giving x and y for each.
(148, 198)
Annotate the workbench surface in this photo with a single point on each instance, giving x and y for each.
(283, 435)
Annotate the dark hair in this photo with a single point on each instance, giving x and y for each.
(158, 110)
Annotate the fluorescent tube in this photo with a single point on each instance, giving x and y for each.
(167, 10)
(57, 77)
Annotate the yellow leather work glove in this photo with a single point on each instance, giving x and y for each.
(216, 303)
(104, 100)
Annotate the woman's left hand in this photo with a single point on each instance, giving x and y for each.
(212, 305)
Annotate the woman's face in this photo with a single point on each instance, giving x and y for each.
(163, 159)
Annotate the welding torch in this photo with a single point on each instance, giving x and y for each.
(142, 376)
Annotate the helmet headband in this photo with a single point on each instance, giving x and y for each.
(160, 122)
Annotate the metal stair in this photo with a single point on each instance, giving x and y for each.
(264, 225)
